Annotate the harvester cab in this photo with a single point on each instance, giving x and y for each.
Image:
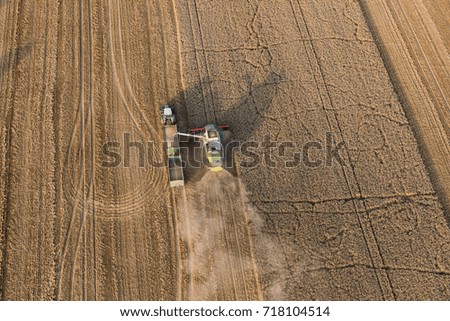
(167, 116)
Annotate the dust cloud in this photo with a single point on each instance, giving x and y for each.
(221, 230)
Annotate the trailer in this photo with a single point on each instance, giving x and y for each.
(174, 160)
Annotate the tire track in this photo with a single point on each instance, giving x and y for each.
(317, 63)
(229, 233)
(178, 271)
(86, 200)
(169, 94)
(168, 97)
(81, 181)
(238, 247)
(154, 181)
(128, 204)
(30, 194)
(5, 16)
(164, 51)
(130, 197)
(424, 58)
(220, 262)
(207, 93)
(77, 192)
(187, 229)
(83, 195)
(124, 71)
(258, 290)
(7, 160)
(418, 104)
(42, 147)
(171, 204)
(228, 257)
(93, 150)
(125, 76)
(82, 150)
(362, 224)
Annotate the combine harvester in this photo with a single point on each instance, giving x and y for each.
(210, 136)
(176, 176)
(212, 144)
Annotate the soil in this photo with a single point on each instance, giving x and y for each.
(355, 91)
